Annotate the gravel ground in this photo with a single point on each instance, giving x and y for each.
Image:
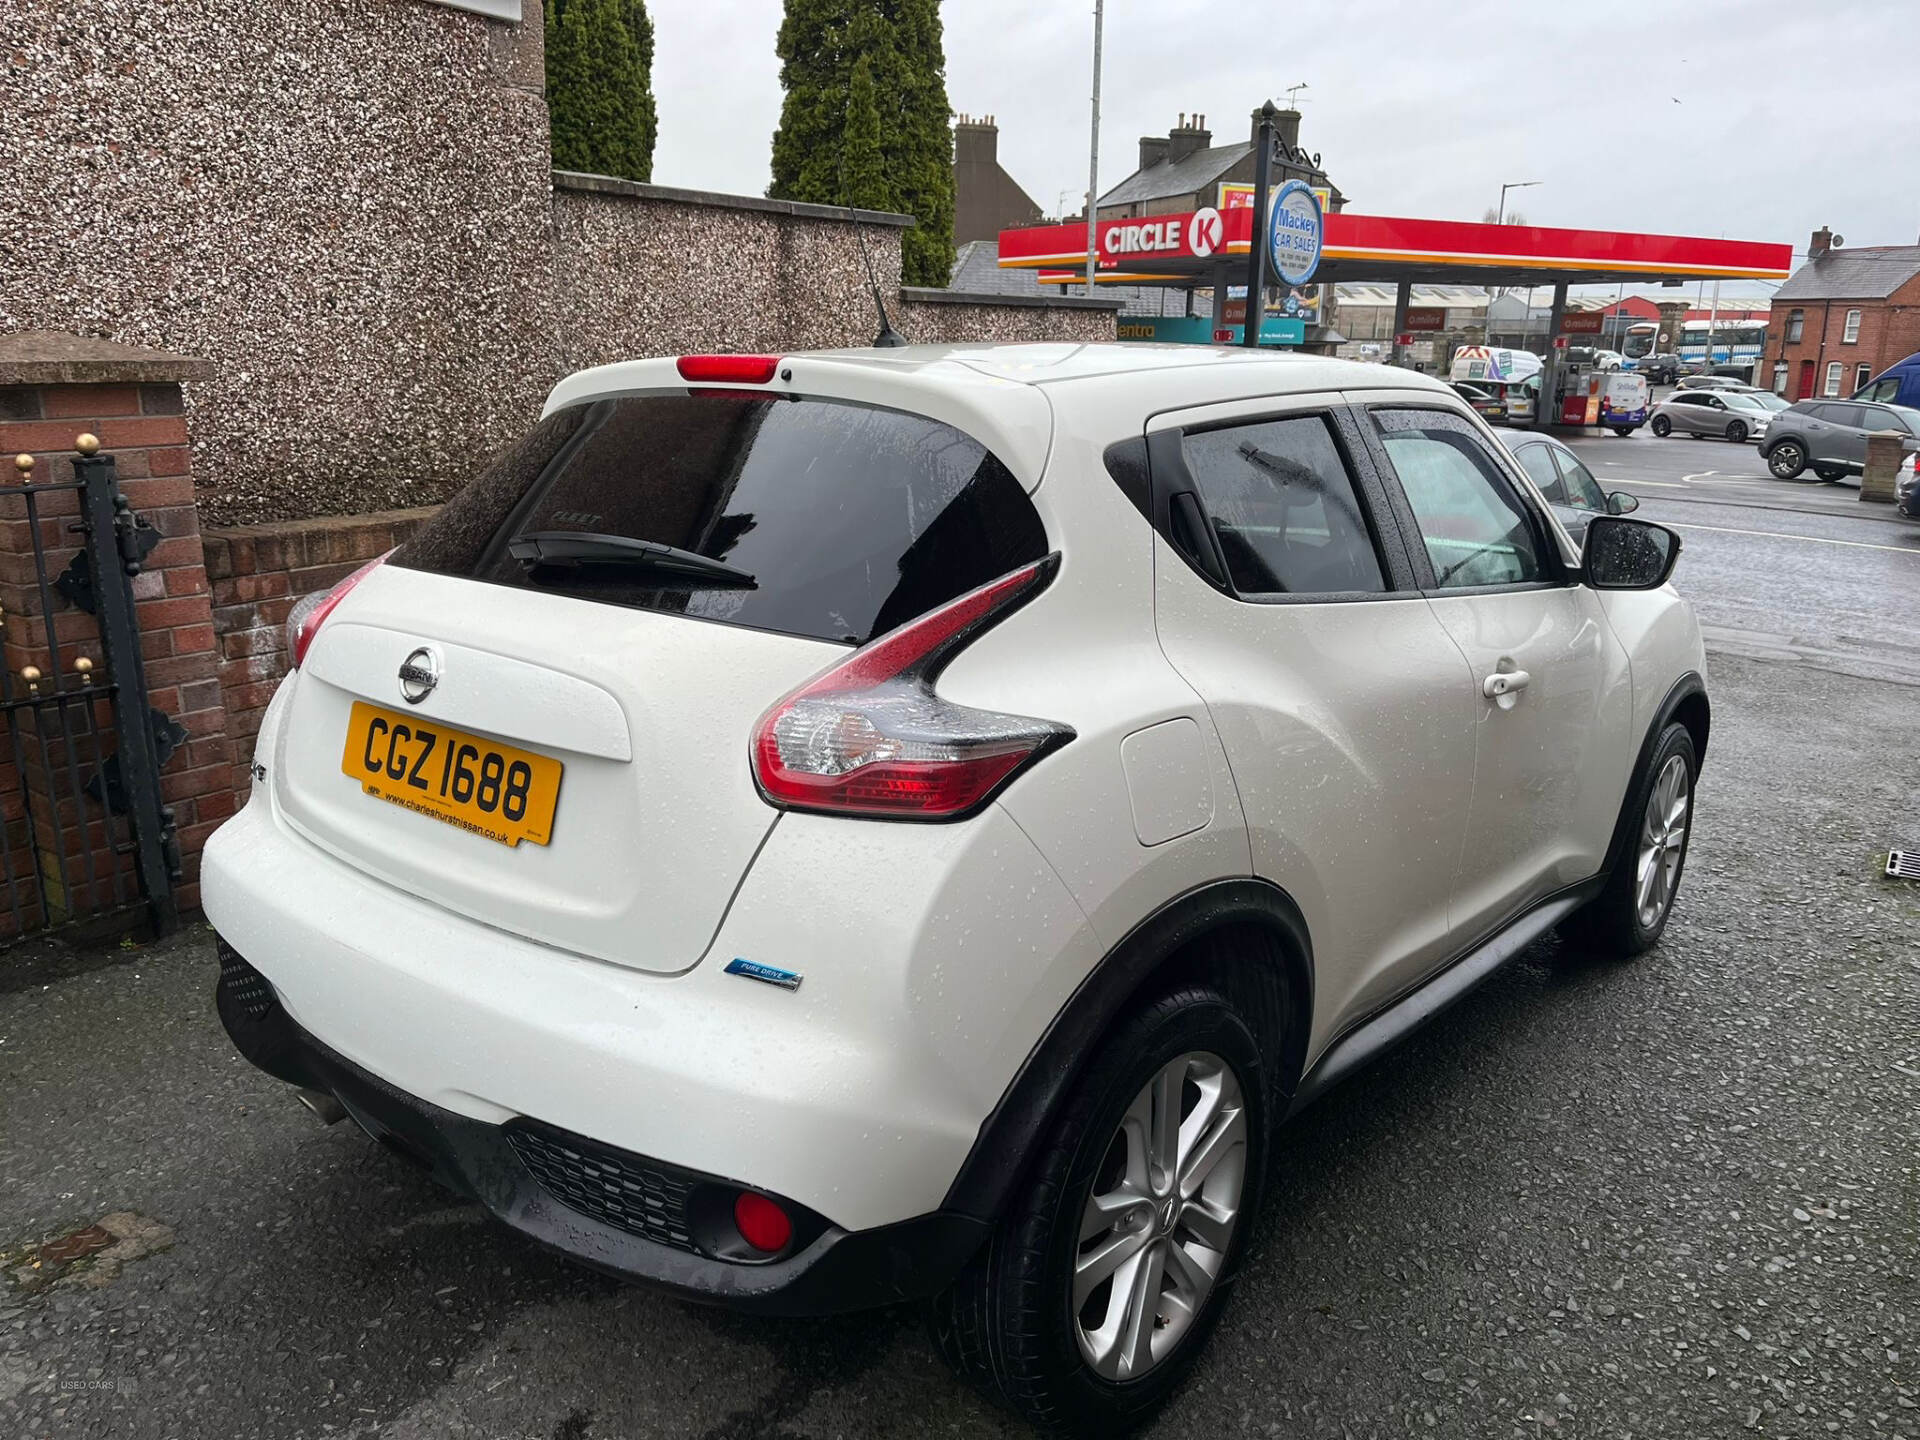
(1675, 1198)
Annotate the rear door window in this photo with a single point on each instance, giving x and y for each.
(1282, 506)
(846, 519)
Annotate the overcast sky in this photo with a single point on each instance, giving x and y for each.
(1753, 119)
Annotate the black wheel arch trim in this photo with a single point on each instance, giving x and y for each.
(1689, 691)
(1156, 945)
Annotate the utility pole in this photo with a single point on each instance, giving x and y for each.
(1712, 316)
(1500, 215)
(1093, 156)
(1262, 222)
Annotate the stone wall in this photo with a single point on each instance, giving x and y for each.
(647, 270)
(344, 203)
(347, 206)
(949, 317)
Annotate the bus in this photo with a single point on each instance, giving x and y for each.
(1735, 342)
(1642, 339)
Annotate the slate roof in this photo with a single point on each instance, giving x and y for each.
(1186, 176)
(976, 268)
(1869, 273)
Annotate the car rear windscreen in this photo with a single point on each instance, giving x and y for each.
(849, 519)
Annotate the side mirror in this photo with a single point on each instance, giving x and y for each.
(1621, 503)
(1624, 554)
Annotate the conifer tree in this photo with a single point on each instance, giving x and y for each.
(600, 86)
(821, 152)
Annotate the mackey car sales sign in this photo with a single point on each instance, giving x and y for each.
(1293, 232)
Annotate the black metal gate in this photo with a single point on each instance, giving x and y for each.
(88, 840)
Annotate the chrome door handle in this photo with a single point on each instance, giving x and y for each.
(1505, 682)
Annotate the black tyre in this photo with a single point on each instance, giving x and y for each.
(1628, 916)
(1100, 1284)
(1786, 460)
(1662, 426)
(1623, 430)
(1830, 473)
(1737, 432)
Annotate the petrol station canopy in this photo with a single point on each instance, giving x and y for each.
(1201, 247)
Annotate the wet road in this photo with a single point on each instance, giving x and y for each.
(1675, 1198)
(1794, 570)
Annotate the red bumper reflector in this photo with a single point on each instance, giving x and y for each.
(761, 1223)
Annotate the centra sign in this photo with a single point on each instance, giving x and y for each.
(1295, 227)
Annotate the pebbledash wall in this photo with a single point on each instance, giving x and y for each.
(336, 222)
(348, 206)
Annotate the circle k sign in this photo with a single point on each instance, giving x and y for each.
(1205, 232)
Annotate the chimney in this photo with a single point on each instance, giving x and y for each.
(1153, 149)
(1286, 125)
(1821, 242)
(1186, 138)
(976, 140)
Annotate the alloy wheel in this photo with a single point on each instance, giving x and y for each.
(1663, 837)
(1160, 1217)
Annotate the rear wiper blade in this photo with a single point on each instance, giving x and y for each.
(574, 548)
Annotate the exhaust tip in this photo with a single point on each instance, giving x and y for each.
(330, 1110)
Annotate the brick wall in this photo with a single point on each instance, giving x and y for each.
(140, 420)
(258, 573)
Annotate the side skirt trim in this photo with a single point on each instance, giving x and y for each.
(1387, 1028)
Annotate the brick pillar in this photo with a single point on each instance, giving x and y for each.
(1885, 450)
(53, 388)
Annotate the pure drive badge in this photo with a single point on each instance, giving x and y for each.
(785, 979)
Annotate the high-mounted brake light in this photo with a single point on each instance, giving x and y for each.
(728, 369)
(871, 737)
(306, 618)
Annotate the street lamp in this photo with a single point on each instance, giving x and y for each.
(1500, 215)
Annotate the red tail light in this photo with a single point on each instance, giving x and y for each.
(870, 736)
(728, 369)
(306, 618)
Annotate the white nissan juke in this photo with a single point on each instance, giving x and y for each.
(824, 830)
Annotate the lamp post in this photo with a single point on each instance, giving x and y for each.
(1093, 157)
(1500, 215)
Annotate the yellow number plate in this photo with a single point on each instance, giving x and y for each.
(484, 787)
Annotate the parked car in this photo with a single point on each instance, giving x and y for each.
(1725, 414)
(1563, 481)
(837, 829)
(1831, 436)
(1608, 360)
(1765, 398)
(1660, 367)
(1896, 385)
(1705, 380)
(1482, 401)
(1906, 488)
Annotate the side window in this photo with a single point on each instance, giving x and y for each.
(1281, 502)
(1885, 391)
(1851, 415)
(1475, 528)
(1538, 464)
(1583, 491)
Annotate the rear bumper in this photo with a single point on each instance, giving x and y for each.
(553, 1187)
